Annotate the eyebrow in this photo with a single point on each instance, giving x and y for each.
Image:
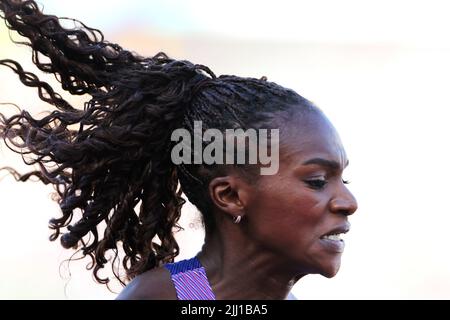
(324, 163)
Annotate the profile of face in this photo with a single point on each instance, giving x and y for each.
(298, 213)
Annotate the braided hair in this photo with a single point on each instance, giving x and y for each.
(110, 161)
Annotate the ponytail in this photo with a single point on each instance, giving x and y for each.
(118, 158)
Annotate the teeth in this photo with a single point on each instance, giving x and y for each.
(334, 237)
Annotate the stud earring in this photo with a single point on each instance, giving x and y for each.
(237, 219)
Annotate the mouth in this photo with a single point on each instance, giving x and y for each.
(332, 239)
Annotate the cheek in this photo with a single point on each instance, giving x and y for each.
(287, 215)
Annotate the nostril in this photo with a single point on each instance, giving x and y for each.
(349, 212)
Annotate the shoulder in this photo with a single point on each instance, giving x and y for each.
(155, 284)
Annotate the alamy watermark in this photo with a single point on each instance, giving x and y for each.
(261, 147)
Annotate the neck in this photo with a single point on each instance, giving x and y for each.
(238, 268)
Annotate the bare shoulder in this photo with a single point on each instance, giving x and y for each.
(154, 284)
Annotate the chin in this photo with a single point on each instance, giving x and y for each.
(330, 270)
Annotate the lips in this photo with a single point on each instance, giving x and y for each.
(343, 228)
(331, 240)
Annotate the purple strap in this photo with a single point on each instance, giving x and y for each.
(190, 280)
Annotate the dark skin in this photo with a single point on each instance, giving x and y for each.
(284, 220)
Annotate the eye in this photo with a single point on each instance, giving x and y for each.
(316, 184)
(345, 181)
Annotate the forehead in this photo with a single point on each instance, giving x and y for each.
(307, 136)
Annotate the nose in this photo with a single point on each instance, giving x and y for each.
(344, 203)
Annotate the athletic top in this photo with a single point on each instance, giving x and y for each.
(190, 281)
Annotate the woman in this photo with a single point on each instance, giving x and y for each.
(113, 163)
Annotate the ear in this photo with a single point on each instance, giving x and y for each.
(229, 194)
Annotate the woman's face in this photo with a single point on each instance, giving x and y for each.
(295, 212)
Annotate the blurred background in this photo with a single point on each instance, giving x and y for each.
(379, 70)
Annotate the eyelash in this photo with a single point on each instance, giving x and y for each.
(319, 184)
(316, 184)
